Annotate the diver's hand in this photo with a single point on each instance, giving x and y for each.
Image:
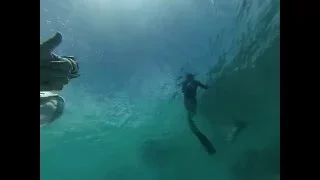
(74, 71)
(46, 48)
(55, 71)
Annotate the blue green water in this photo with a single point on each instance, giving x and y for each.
(124, 116)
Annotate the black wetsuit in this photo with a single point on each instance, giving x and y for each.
(189, 89)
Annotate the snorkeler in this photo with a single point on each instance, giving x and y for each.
(55, 72)
(189, 89)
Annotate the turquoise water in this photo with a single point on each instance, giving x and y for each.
(124, 116)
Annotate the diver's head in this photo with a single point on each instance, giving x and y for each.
(189, 76)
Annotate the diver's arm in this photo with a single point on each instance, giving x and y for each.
(202, 85)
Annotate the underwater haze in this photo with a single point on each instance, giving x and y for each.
(124, 116)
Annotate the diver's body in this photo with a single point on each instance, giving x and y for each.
(189, 89)
(55, 72)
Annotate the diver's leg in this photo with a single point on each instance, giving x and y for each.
(202, 138)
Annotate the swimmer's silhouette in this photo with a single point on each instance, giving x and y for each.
(189, 89)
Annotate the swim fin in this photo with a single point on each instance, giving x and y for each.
(206, 143)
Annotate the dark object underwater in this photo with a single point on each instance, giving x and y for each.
(205, 142)
(202, 138)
